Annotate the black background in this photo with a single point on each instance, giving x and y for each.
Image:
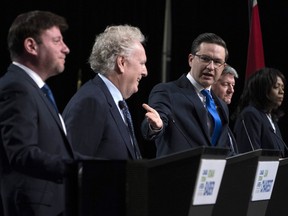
(227, 18)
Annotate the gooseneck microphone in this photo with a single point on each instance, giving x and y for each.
(233, 146)
(281, 140)
(233, 149)
(247, 134)
(170, 118)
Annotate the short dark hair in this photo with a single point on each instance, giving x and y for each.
(31, 24)
(208, 38)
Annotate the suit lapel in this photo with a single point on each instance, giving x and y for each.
(123, 129)
(224, 114)
(189, 92)
(50, 108)
(29, 80)
(26, 78)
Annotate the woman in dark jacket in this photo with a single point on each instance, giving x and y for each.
(258, 112)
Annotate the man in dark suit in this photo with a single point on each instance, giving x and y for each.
(224, 89)
(95, 120)
(177, 118)
(33, 143)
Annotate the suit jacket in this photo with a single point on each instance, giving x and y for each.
(94, 124)
(259, 134)
(33, 148)
(184, 118)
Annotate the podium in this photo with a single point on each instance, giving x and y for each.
(95, 188)
(161, 186)
(264, 182)
(278, 204)
(238, 184)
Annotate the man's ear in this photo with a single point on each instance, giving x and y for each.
(30, 46)
(190, 58)
(120, 61)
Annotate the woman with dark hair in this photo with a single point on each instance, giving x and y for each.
(258, 112)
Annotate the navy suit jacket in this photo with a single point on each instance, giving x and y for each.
(94, 124)
(259, 131)
(184, 118)
(33, 148)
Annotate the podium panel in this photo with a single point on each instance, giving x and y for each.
(234, 197)
(96, 188)
(263, 182)
(278, 204)
(167, 184)
(162, 186)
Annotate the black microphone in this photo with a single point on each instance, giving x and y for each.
(170, 118)
(281, 140)
(234, 149)
(121, 105)
(247, 134)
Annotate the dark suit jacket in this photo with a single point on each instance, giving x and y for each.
(33, 148)
(184, 118)
(259, 130)
(94, 124)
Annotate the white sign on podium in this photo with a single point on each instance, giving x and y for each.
(264, 180)
(208, 181)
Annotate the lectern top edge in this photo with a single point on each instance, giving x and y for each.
(270, 153)
(259, 153)
(201, 152)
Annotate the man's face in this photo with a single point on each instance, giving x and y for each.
(134, 69)
(52, 52)
(207, 64)
(224, 87)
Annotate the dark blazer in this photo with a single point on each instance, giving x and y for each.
(33, 148)
(259, 131)
(94, 124)
(184, 118)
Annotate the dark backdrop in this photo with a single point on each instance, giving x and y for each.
(227, 18)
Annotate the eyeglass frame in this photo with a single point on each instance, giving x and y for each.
(207, 59)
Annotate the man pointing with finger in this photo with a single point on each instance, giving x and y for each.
(185, 113)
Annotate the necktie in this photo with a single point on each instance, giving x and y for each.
(211, 107)
(123, 106)
(48, 93)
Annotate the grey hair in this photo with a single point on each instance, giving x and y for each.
(114, 41)
(230, 70)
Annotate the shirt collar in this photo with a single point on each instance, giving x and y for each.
(197, 86)
(114, 91)
(37, 79)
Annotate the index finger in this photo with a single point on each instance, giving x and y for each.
(147, 107)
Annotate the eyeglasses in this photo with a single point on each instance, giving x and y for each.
(207, 60)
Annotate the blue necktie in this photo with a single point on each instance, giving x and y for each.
(211, 107)
(123, 106)
(48, 93)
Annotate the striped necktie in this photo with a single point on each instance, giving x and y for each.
(123, 106)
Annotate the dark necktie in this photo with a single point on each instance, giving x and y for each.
(211, 107)
(123, 106)
(48, 93)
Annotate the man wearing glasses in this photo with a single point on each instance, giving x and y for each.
(185, 113)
